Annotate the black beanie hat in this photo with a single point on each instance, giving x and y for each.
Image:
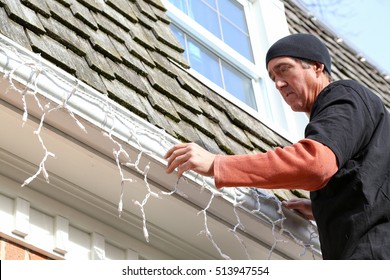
(304, 46)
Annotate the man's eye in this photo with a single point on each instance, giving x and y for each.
(284, 68)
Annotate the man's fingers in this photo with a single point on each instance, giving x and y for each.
(189, 156)
(293, 204)
(173, 149)
(301, 205)
(177, 158)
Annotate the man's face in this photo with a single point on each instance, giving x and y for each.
(296, 82)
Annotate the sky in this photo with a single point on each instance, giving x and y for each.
(362, 24)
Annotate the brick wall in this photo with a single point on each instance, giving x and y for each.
(12, 251)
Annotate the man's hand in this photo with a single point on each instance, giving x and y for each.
(190, 156)
(302, 205)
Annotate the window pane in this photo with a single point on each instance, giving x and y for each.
(204, 62)
(180, 36)
(180, 4)
(234, 27)
(225, 19)
(238, 85)
(236, 39)
(211, 3)
(205, 15)
(234, 12)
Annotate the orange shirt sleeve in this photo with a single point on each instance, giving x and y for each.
(306, 165)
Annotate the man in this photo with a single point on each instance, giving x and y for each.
(344, 159)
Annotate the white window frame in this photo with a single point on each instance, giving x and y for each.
(266, 23)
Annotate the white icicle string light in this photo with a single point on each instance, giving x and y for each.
(128, 163)
(176, 190)
(34, 76)
(206, 230)
(123, 159)
(239, 225)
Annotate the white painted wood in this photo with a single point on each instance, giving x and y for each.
(131, 255)
(6, 212)
(79, 244)
(61, 235)
(41, 229)
(114, 252)
(97, 246)
(21, 217)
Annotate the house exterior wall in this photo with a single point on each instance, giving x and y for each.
(13, 251)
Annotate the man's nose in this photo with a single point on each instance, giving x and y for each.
(280, 83)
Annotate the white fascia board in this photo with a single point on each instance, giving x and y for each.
(97, 109)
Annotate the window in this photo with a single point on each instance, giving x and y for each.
(216, 69)
(224, 19)
(225, 43)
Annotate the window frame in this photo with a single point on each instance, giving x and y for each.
(263, 29)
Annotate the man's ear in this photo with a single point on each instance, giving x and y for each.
(319, 67)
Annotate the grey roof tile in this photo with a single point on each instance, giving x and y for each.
(66, 3)
(164, 34)
(52, 51)
(23, 15)
(120, 93)
(143, 36)
(129, 59)
(64, 35)
(171, 54)
(194, 118)
(65, 16)
(125, 8)
(83, 14)
(232, 130)
(226, 144)
(93, 5)
(208, 110)
(163, 104)
(128, 77)
(144, 20)
(37, 5)
(257, 143)
(158, 119)
(146, 10)
(139, 52)
(162, 16)
(251, 124)
(99, 63)
(170, 87)
(115, 18)
(229, 146)
(13, 30)
(88, 75)
(163, 63)
(101, 42)
(209, 143)
(190, 84)
(213, 98)
(186, 132)
(156, 3)
(108, 26)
